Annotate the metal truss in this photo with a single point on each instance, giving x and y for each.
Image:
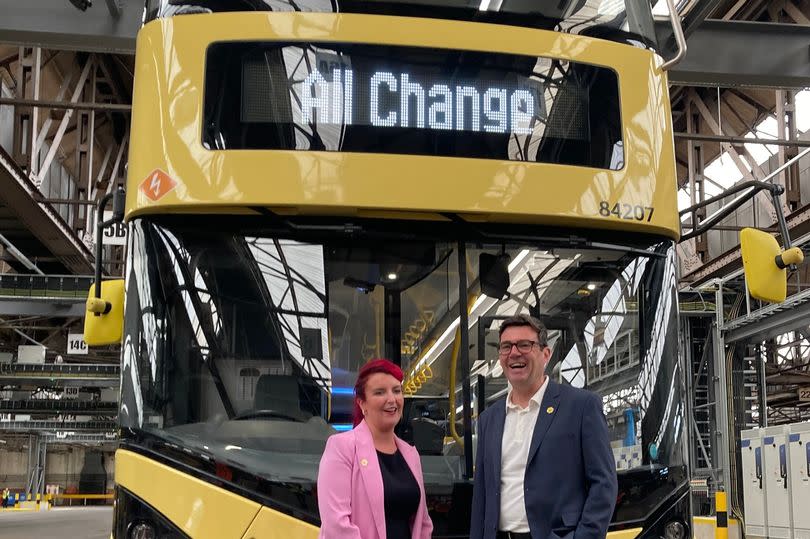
(69, 437)
(45, 286)
(55, 371)
(61, 308)
(771, 320)
(34, 426)
(43, 295)
(51, 407)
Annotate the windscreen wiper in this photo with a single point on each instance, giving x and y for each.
(345, 228)
(562, 241)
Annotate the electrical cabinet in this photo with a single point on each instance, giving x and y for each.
(627, 457)
(619, 459)
(799, 478)
(776, 469)
(753, 484)
(635, 456)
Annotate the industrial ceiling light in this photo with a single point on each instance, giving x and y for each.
(81, 5)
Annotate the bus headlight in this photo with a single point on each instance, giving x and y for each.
(134, 518)
(674, 530)
(142, 530)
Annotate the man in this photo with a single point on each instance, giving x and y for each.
(544, 468)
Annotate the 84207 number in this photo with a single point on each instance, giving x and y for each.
(631, 212)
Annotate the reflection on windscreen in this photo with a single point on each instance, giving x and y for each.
(621, 20)
(245, 347)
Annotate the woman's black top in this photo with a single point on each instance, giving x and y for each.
(401, 495)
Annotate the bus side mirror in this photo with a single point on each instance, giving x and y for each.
(764, 264)
(104, 319)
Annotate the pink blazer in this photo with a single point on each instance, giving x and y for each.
(350, 488)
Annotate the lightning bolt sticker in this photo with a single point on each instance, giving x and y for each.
(157, 185)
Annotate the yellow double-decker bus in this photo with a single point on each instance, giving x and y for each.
(312, 184)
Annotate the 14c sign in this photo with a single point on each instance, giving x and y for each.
(76, 345)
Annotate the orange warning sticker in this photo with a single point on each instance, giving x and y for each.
(157, 185)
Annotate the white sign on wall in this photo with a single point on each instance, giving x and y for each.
(31, 353)
(76, 344)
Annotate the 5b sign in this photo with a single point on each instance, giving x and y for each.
(116, 233)
(76, 345)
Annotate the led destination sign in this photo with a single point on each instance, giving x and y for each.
(347, 97)
(414, 99)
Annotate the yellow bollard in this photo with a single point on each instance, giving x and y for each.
(721, 515)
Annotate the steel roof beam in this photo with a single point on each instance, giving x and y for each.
(742, 54)
(55, 307)
(56, 24)
(770, 55)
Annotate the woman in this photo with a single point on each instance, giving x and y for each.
(369, 481)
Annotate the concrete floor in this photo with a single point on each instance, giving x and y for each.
(57, 523)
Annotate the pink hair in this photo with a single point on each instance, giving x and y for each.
(384, 366)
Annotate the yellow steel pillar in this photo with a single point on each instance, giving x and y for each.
(721, 512)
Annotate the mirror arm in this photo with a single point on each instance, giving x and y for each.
(677, 32)
(99, 242)
(98, 306)
(753, 187)
(118, 198)
(780, 218)
(789, 258)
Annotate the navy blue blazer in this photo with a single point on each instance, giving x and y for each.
(570, 485)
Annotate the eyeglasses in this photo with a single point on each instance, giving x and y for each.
(524, 347)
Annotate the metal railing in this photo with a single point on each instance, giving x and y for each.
(60, 370)
(45, 286)
(43, 406)
(31, 426)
